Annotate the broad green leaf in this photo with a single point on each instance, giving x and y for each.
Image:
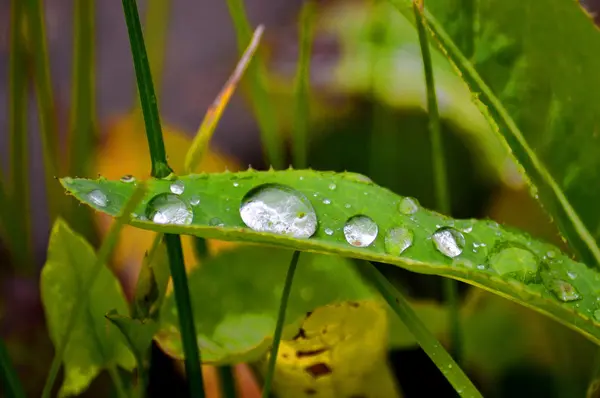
(340, 351)
(94, 343)
(389, 229)
(236, 297)
(138, 334)
(535, 69)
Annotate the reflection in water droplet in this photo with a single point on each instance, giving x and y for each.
(166, 208)
(449, 241)
(517, 263)
(216, 222)
(563, 290)
(279, 209)
(195, 200)
(128, 178)
(408, 205)
(329, 231)
(177, 187)
(326, 201)
(332, 186)
(397, 240)
(360, 231)
(98, 198)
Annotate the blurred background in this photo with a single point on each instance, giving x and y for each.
(367, 107)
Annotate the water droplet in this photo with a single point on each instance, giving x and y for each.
(597, 315)
(397, 240)
(128, 178)
(572, 274)
(216, 222)
(332, 186)
(98, 198)
(462, 262)
(177, 187)
(563, 290)
(236, 184)
(329, 231)
(481, 267)
(347, 205)
(279, 209)
(195, 200)
(326, 201)
(166, 208)
(551, 254)
(360, 231)
(449, 241)
(517, 263)
(408, 205)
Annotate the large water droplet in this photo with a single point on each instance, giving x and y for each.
(128, 178)
(98, 198)
(360, 231)
(517, 263)
(408, 206)
(397, 240)
(449, 241)
(279, 209)
(177, 187)
(166, 208)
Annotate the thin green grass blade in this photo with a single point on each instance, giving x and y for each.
(204, 134)
(10, 381)
(287, 287)
(441, 190)
(117, 382)
(36, 36)
(302, 86)
(453, 373)
(261, 102)
(156, 22)
(227, 381)
(104, 253)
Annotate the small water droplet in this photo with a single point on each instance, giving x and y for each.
(128, 178)
(347, 205)
(98, 198)
(597, 315)
(216, 222)
(236, 184)
(563, 290)
(572, 274)
(177, 187)
(195, 200)
(481, 267)
(326, 201)
(517, 263)
(301, 178)
(166, 208)
(360, 231)
(462, 262)
(449, 241)
(332, 186)
(329, 231)
(279, 209)
(408, 205)
(550, 254)
(397, 240)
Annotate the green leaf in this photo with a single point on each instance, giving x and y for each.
(94, 344)
(546, 280)
(237, 294)
(547, 112)
(152, 282)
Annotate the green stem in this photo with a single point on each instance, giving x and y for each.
(186, 319)
(287, 287)
(227, 381)
(439, 173)
(8, 375)
(108, 244)
(426, 340)
(302, 85)
(160, 167)
(117, 382)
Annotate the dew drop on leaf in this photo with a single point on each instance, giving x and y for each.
(195, 200)
(597, 315)
(279, 209)
(128, 178)
(517, 263)
(332, 186)
(326, 201)
(329, 231)
(360, 231)
(563, 290)
(408, 206)
(397, 240)
(98, 198)
(216, 222)
(449, 241)
(177, 187)
(166, 208)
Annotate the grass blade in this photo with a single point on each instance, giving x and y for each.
(285, 295)
(214, 112)
(108, 244)
(442, 195)
(461, 383)
(302, 85)
(161, 169)
(36, 35)
(261, 102)
(227, 381)
(157, 23)
(8, 375)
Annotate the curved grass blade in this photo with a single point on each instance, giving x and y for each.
(479, 252)
(10, 381)
(214, 112)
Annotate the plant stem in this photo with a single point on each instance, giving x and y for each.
(186, 320)
(160, 167)
(439, 173)
(302, 86)
(287, 287)
(8, 375)
(117, 382)
(227, 381)
(108, 244)
(426, 340)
